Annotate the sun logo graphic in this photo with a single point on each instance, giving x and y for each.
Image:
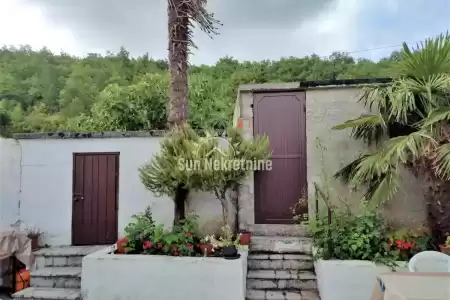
(221, 146)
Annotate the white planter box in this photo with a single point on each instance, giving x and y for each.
(349, 279)
(107, 276)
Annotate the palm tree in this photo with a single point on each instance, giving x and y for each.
(183, 15)
(410, 124)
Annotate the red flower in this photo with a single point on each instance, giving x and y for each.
(160, 245)
(176, 253)
(147, 244)
(187, 234)
(189, 245)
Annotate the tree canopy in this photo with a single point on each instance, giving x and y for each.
(42, 91)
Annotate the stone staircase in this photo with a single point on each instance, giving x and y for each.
(281, 268)
(57, 274)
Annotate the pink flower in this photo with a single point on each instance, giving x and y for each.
(187, 234)
(147, 244)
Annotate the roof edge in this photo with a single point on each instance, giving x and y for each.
(304, 85)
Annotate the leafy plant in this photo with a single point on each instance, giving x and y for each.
(408, 243)
(447, 242)
(142, 227)
(163, 174)
(144, 236)
(238, 156)
(33, 232)
(410, 121)
(226, 239)
(362, 236)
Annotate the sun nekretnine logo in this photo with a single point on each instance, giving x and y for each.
(217, 153)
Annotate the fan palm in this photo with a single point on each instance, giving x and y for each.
(410, 125)
(182, 17)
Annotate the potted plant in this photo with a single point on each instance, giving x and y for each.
(121, 245)
(227, 243)
(446, 247)
(205, 246)
(34, 234)
(245, 237)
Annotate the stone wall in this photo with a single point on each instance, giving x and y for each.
(325, 108)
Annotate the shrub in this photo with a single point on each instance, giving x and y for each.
(362, 236)
(144, 236)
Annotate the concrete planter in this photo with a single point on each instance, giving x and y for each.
(106, 276)
(349, 279)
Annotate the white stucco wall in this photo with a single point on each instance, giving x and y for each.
(141, 277)
(10, 154)
(46, 198)
(349, 279)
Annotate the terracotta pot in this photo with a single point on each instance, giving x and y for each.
(245, 238)
(206, 248)
(121, 244)
(445, 249)
(34, 243)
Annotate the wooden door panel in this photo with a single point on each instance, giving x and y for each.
(281, 117)
(95, 185)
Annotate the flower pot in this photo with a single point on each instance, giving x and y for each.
(34, 243)
(121, 244)
(229, 251)
(245, 238)
(206, 249)
(445, 249)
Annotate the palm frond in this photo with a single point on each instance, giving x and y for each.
(189, 13)
(376, 97)
(346, 173)
(384, 187)
(369, 128)
(442, 162)
(427, 58)
(436, 116)
(405, 148)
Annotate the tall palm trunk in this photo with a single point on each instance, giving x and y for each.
(178, 61)
(181, 14)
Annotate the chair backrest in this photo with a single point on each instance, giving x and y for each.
(429, 261)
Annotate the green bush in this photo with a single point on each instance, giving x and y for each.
(349, 236)
(144, 236)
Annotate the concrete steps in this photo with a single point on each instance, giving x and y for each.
(57, 274)
(57, 277)
(35, 293)
(280, 262)
(281, 295)
(281, 268)
(281, 244)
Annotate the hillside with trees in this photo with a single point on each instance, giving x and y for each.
(42, 91)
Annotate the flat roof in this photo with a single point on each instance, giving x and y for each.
(304, 85)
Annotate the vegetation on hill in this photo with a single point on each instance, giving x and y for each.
(41, 91)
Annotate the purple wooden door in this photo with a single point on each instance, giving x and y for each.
(94, 210)
(281, 117)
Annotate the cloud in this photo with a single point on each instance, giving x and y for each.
(253, 29)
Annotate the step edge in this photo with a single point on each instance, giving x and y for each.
(18, 295)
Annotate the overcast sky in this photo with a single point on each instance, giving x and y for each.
(252, 29)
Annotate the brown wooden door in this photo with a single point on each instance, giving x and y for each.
(281, 117)
(95, 187)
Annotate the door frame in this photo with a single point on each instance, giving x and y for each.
(279, 93)
(116, 215)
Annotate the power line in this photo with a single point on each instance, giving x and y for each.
(386, 47)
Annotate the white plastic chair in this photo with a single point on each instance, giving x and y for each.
(429, 261)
